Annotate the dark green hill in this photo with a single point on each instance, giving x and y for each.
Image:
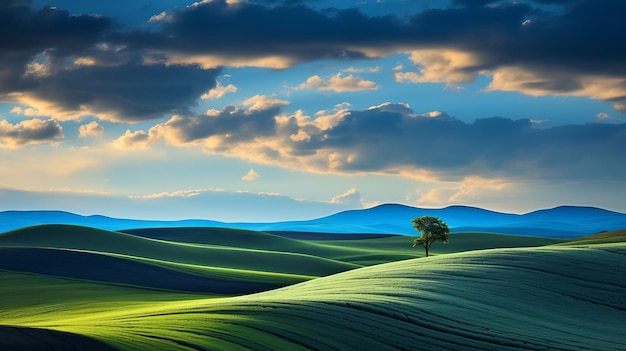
(111, 269)
(35, 339)
(211, 261)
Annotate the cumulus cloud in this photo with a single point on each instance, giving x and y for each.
(351, 197)
(264, 102)
(219, 91)
(466, 190)
(338, 83)
(90, 129)
(391, 138)
(32, 131)
(134, 140)
(435, 66)
(252, 175)
(216, 129)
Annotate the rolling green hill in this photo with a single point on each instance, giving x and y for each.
(124, 251)
(615, 236)
(77, 288)
(552, 297)
(219, 255)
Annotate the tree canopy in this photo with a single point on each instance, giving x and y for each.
(433, 229)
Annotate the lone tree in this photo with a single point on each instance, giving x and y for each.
(433, 229)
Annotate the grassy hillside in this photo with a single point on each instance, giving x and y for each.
(196, 259)
(105, 253)
(553, 297)
(356, 249)
(615, 236)
(394, 248)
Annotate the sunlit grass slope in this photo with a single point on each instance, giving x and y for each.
(599, 238)
(547, 298)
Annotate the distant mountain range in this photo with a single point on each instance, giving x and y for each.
(562, 222)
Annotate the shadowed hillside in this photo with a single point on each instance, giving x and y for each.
(33, 339)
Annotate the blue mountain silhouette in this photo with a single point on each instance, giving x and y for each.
(562, 221)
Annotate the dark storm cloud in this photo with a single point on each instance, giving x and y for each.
(25, 33)
(253, 29)
(586, 37)
(39, 48)
(580, 38)
(576, 50)
(130, 92)
(379, 140)
(23, 29)
(300, 32)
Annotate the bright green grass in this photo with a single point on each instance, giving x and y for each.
(553, 297)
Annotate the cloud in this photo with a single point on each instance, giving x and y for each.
(130, 92)
(283, 34)
(90, 129)
(264, 102)
(560, 82)
(219, 91)
(133, 140)
(338, 83)
(252, 175)
(221, 128)
(178, 193)
(351, 197)
(437, 65)
(37, 37)
(467, 190)
(39, 40)
(602, 116)
(362, 69)
(32, 131)
(61, 65)
(70, 66)
(216, 129)
(393, 139)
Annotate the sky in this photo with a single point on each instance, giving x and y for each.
(270, 110)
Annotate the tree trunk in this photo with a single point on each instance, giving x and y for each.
(426, 249)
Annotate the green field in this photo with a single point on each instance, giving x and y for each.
(482, 291)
